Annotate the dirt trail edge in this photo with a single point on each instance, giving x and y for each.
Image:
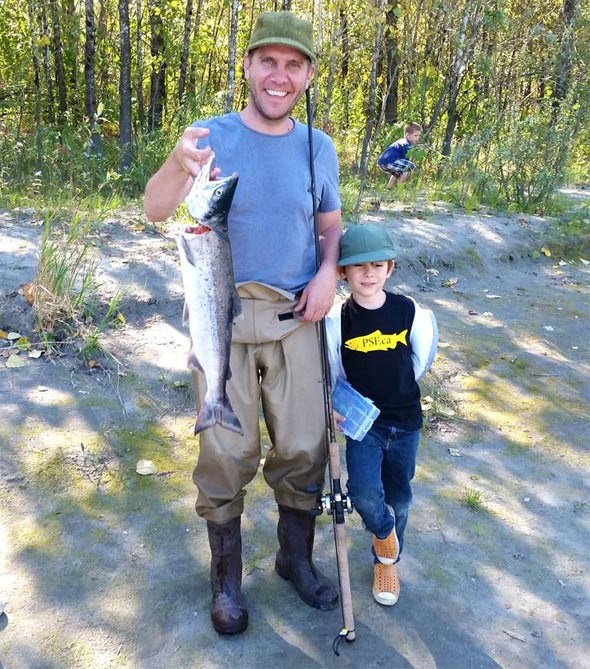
(102, 567)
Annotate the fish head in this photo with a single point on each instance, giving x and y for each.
(210, 201)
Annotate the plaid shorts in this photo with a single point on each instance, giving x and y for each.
(398, 167)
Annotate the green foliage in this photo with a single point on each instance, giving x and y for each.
(473, 499)
(513, 144)
(64, 289)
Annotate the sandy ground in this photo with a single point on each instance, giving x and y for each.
(101, 567)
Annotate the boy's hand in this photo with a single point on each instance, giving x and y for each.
(338, 420)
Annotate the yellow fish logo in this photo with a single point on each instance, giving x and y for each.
(377, 341)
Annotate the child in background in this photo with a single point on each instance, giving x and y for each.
(394, 159)
(382, 343)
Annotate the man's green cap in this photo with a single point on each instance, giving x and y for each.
(365, 243)
(283, 28)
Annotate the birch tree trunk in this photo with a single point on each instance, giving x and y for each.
(47, 64)
(465, 43)
(231, 64)
(36, 79)
(392, 61)
(158, 75)
(186, 42)
(89, 77)
(139, 61)
(124, 86)
(60, 78)
(564, 58)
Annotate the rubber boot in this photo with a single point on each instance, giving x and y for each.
(228, 608)
(296, 532)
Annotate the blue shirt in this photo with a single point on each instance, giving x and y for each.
(396, 151)
(271, 226)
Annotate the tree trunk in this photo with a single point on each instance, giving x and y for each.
(392, 60)
(124, 86)
(47, 64)
(186, 42)
(89, 78)
(158, 76)
(139, 60)
(371, 107)
(192, 84)
(60, 77)
(345, 64)
(564, 58)
(465, 43)
(37, 81)
(231, 65)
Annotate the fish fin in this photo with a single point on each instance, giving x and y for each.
(186, 249)
(236, 306)
(220, 413)
(185, 314)
(193, 361)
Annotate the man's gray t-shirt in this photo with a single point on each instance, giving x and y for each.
(271, 219)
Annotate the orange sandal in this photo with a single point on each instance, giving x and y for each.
(385, 584)
(386, 550)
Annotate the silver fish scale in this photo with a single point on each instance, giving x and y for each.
(211, 300)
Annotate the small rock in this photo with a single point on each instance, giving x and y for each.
(145, 467)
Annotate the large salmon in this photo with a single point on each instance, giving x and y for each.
(211, 299)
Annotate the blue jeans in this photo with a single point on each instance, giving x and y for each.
(380, 469)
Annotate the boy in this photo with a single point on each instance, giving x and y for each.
(382, 343)
(394, 159)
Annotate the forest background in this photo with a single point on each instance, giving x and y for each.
(94, 94)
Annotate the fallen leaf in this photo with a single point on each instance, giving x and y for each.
(450, 283)
(14, 361)
(546, 251)
(23, 344)
(584, 262)
(145, 467)
(3, 334)
(28, 293)
(35, 354)
(455, 452)
(11, 336)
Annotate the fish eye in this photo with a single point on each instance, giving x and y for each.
(218, 192)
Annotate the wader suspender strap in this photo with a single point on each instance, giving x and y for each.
(336, 502)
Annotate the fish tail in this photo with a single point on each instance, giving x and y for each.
(218, 413)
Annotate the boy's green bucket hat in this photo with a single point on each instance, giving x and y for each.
(283, 28)
(365, 243)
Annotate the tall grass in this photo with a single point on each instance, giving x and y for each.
(65, 288)
(64, 280)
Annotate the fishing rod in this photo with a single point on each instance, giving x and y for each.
(336, 502)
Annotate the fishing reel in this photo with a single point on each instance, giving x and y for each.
(335, 503)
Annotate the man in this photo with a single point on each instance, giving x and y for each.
(273, 362)
(394, 160)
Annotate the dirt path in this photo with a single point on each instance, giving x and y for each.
(101, 567)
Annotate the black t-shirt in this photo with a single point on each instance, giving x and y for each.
(377, 358)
